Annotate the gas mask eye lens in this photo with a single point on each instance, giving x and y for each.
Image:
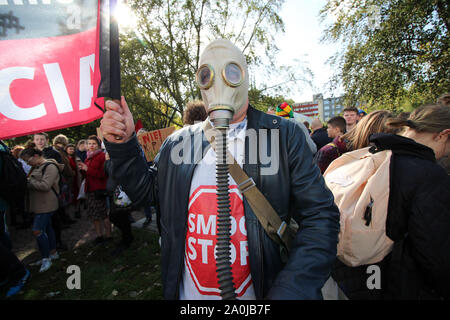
(205, 76)
(233, 74)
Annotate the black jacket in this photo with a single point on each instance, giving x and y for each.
(320, 138)
(297, 190)
(51, 153)
(418, 222)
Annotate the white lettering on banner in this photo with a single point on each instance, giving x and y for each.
(7, 106)
(57, 85)
(86, 88)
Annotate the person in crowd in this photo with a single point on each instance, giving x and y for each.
(41, 142)
(357, 138)
(270, 110)
(43, 185)
(194, 112)
(59, 143)
(12, 272)
(418, 218)
(94, 172)
(319, 134)
(119, 214)
(374, 122)
(81, 150)
(71, 154)
(300, 191)
(361, 114)
(335, 129)
(148, 210)
(306, 123)
(351, 116)
(16, 153)
(18, 207)
(285, 110)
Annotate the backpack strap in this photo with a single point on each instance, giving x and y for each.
(43, 171)
(275, 228)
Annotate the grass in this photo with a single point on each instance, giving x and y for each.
(133, 275)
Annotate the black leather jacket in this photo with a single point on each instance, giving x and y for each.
(297, 190)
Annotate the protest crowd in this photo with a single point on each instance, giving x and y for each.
(400, 223)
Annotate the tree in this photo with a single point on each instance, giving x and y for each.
(395, 53)
(160, 56)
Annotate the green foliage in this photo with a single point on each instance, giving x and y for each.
(395, 53)
(160, 56)
(262, 102)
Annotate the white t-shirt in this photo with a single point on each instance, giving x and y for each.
(199, 279)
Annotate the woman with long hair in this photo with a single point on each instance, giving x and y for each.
(357, 138)
(374, 122)
(43, 187)
(418, 217)
(93, 169)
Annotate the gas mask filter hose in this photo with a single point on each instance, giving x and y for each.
(223, 251)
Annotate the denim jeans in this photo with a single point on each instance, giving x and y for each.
(148, 212)
(46, 239)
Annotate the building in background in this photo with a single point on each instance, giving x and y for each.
(321, 108)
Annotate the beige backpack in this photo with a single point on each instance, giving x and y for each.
(359, 181)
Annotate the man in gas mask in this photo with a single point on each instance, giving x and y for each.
(185, 192)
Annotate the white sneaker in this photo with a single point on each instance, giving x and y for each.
(46, 264)
(54, 256)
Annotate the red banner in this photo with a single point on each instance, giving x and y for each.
(49, 72)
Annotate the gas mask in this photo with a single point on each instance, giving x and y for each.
(223, 81)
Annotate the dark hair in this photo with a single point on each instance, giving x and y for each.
(95, 138)
(80, 142)
(338, 122)
(42, 134)
(31, 150)
(16, 151)
(194, 111)
(431, 118)
(351, 109)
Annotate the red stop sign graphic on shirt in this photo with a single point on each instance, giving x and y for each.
(201, 240)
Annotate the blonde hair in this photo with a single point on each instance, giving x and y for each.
(62, 139)
(374, 122)
(431, 118)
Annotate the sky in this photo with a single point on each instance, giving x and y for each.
(301, 40)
